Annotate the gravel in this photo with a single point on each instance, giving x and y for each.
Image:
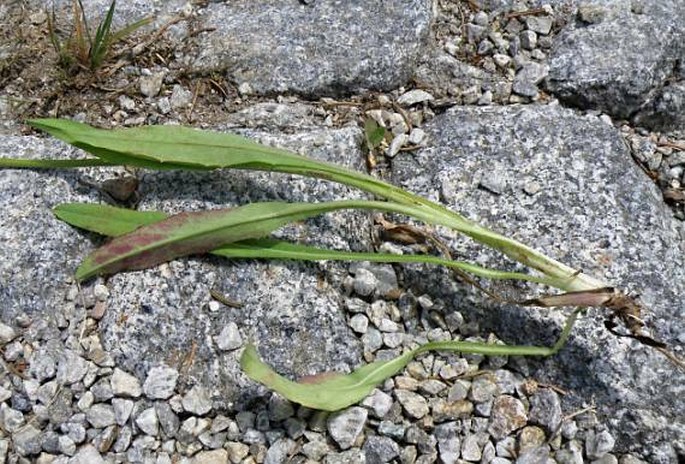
(160, 382)
(346, 426)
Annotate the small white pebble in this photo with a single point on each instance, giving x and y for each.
(229, 338)
(417, 136)
(397, 143)
(100, 292)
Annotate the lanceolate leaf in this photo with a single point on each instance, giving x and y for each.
(328, 392)
(169, 147)
(200, 232)
(112, 221)
(335, 391)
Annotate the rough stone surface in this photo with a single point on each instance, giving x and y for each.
(197, 401)
(147, 421)
(7, 334)
(615, 64)
(346, 426)
(27, 257)
(211, 457)
(88, 454)
(508, 414)
(380, 450)
(279, 451)
(602, 215)
(101, 415)
(160, 382)
(414, 404)
(545, 409)
(599, 444)
(71, 368)
(124, 384)
(280, 46)
(27, 440)
(229, 338)
(666, 110)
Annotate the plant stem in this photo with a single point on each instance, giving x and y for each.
(13, 163)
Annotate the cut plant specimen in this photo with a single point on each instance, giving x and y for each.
(145, 239)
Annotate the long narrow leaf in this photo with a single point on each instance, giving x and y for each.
(163, 147)
(105, 219)
(335, 391)
(129, 29)
(200, 232)
(112, 221)
(99, 46)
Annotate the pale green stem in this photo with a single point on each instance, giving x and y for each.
(503, 350)
(13, 163)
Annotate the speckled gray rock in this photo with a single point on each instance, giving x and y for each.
(147, 421)
(7, 334)
(280, 451)
(508, 414)
(380, 450)
(666, 110)
(124, 384)
(449, 442)
(197, 401)
(11, 419)
(595, 211)
(26, 258)
(346, 457)
(168, 420)
(545, 409)
(346, 426)
(219, 456)
(88, 454)
(414, 404)
(122, 410)
(101, 415)
(527, 79)
(616, 62)
(160, 382)
(319, 49)
(472, 447)
(447, 76)
(537, 455)
(125, 13)
(379, 403)
(27, 440)
(71, 368)
(599, 444)
(229, 338)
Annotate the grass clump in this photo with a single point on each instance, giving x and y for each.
(83, 48)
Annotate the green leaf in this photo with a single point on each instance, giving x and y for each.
(129, 29)
(100, 46)
(173, 147)
(328, 392)
(112, 221)
(105, 219)
(200, 232)
(374, 133)
(335, 391)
